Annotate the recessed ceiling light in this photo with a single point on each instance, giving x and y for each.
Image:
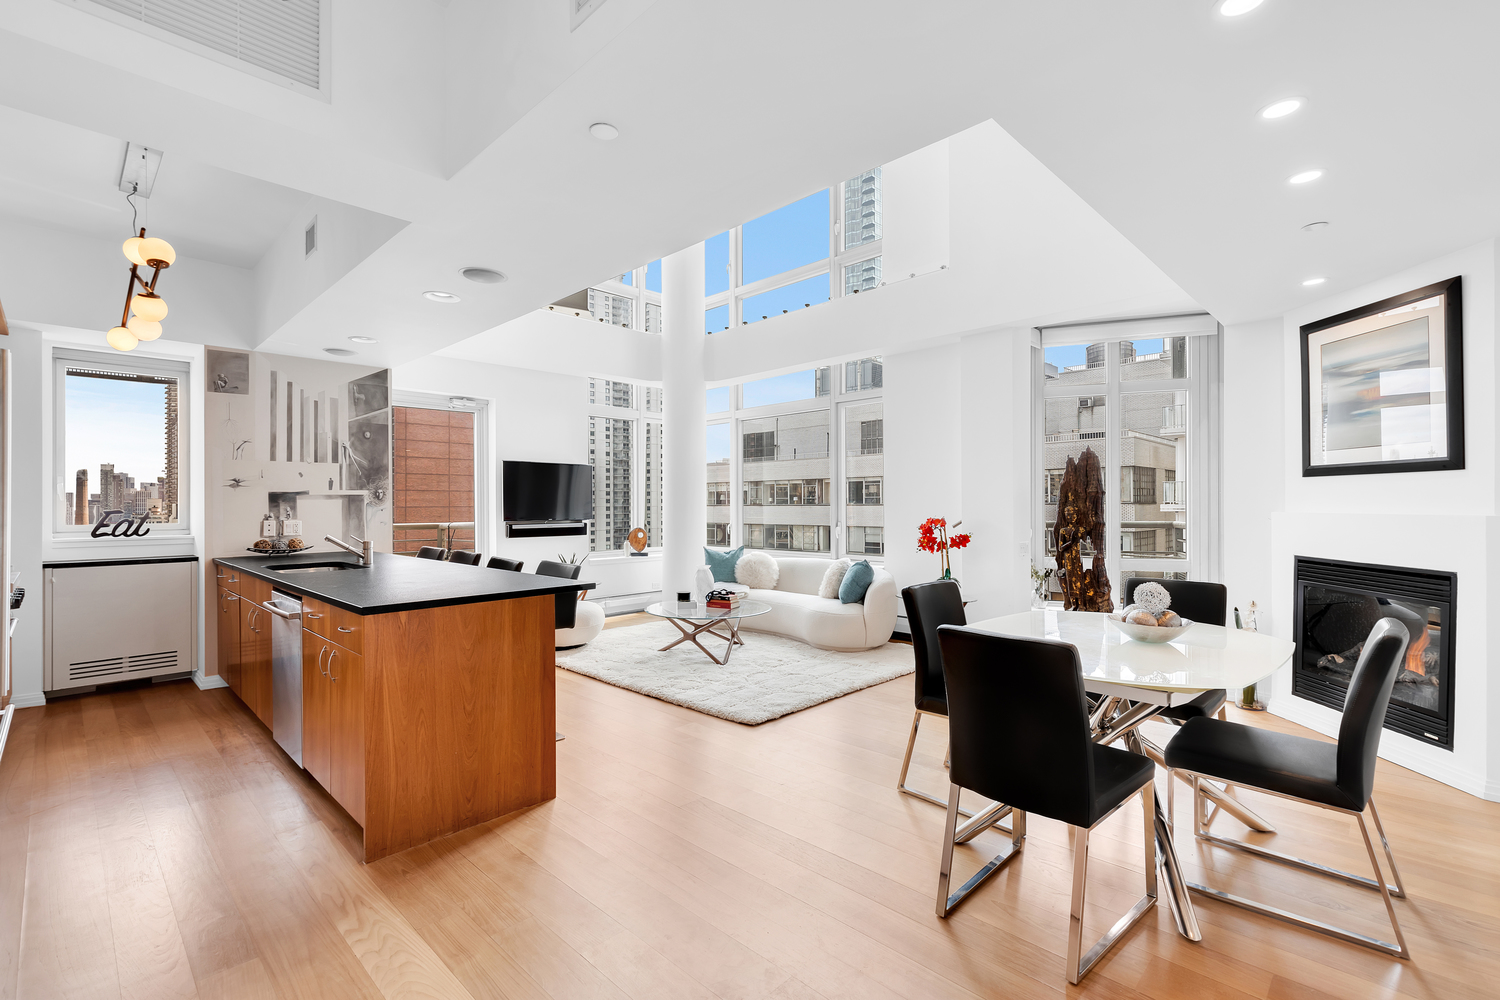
(364, 340)
(1304, 177)
(435, 296)
(483, 275)
(1281, 108)
(603, 131)
(338, 352)
(1234, 8)
(1315, 227)
(1313, 281)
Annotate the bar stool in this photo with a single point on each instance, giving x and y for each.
(499, 562)
(929, 605)
(430, 552)
(465, 557)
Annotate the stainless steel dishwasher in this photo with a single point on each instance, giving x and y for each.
(286, 672)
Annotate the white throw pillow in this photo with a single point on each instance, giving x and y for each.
(757, 571)
(833, 577)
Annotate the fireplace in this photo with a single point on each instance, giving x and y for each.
(1337, 603)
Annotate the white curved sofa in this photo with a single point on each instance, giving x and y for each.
(797, 611)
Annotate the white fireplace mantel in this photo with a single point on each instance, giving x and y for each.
(1462, 544)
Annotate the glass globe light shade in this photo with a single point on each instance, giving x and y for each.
(149, 307)
(122, 339)
(144, 329)
(152, 248)
(132, 250)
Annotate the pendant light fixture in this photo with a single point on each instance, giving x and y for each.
(149, 308)
(137, 175)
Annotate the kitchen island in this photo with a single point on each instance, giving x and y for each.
(427, 687)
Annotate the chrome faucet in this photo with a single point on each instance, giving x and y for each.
(365, 553)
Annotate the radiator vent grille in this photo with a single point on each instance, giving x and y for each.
(86, 670)
(155, 663)
(278, 36)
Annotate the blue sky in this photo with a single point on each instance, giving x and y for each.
(775, 243)
(1067, 357)
(110, 421)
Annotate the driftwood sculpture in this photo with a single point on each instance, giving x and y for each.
(1080, 517)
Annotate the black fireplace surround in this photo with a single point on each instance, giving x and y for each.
(1337, 603)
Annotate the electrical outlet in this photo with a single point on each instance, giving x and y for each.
(292, 527)
(268, 528)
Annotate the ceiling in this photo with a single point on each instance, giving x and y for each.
(66, 177)
(1147, 111)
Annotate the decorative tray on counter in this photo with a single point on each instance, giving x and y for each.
(280, 552)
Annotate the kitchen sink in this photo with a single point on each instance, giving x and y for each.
(318, 568)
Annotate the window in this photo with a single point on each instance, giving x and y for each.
(1140, 403)
(864, 461)
(435, 466)
(862, 375)
(864, 492)
(625, 449)
(1138, 484)
(120, 445)
(866, 541)
(820, 247)
(785, 462)
(718, 494)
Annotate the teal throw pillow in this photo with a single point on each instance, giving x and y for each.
(856, 582)
(723, 563)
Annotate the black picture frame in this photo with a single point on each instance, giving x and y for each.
(1450, 291)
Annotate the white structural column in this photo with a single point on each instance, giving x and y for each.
(685, 517)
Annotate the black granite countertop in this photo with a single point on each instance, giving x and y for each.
(397, 583)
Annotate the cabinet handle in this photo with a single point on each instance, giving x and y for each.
(342, 629)
(231, 597)
(331, 654)
(219, 575)
(309, 614)
(321, 653)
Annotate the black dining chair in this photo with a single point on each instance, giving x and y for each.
(1196, 601)
(430, 552)
(465, 557)
(1336, 776)
(1018, 722)
(499, 562)
(929, 605)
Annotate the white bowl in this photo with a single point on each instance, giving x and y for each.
(1150, 633)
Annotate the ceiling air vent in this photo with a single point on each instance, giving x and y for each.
(280, 37)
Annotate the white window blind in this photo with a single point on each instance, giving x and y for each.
(1195, 325)
(279, 36)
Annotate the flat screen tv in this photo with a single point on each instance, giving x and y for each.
(547, 491)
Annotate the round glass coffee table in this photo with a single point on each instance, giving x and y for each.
(694, 619)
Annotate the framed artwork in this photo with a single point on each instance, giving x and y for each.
(1383, 386)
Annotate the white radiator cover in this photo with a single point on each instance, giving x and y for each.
(116, 622)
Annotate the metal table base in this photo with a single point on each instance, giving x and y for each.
(732, 638)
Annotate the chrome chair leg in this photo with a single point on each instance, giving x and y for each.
(1398, 890)
(1079, 964)
(911, 743)
(946, 901)
(1171, 801)
(1378, 883)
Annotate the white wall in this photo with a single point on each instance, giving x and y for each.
(34, 482)
(532, 417)
(59, 280)
(923, 457)
(1430, 520)
(1254, 473)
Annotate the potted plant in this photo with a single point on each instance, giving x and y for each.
(933, 536)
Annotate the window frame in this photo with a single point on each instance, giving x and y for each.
(144, 364)
(483, 514)
(831, 404)
(1202, 386)
(639, 415)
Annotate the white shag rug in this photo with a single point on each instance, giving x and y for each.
(766, 678)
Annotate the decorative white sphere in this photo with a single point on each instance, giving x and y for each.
(1153, 598)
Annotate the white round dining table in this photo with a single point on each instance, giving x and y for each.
(1146, 678)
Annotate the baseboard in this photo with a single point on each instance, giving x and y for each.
(34, 700)
(209, 683)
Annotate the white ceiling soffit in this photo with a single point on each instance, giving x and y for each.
(278, 37)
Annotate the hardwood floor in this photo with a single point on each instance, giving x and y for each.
(157, 843)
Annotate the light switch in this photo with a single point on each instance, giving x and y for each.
(292, 527)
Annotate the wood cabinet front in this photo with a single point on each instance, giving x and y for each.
(334, 624)
(229, 638)
(255, 647)
(333, 729)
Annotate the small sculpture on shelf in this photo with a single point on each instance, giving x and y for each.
(1080, 518)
